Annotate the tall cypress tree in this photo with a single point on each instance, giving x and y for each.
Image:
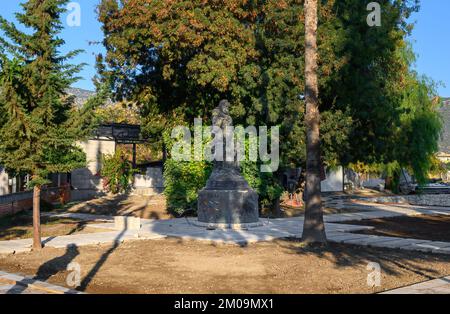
(40, 125)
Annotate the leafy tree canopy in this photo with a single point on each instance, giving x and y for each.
(177, 59)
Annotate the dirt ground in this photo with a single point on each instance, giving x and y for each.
(20, 226)
(155, 207)
(148, 207)
(369, 193)
(295, 211)
(291, 211)
(172, 266)
(424, 227)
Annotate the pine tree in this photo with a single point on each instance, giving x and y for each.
(40, 124)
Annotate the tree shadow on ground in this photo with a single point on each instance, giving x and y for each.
(143, 206)
(424, 227)
(13, 233)
(48, 269)
(60, 264)
(101, 206)
(98, 265)
(80, 226)
(390, 260)
(20, 225)
(13, 226)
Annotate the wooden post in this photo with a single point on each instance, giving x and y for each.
(134, 155)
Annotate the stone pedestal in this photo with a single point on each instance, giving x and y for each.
(228, 201)
(228, 207)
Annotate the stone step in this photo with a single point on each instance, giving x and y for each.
(147, 191)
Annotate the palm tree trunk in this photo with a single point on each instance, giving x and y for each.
(314, 228)
(37, 244)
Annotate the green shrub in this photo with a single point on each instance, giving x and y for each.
(117, 172)
(266, 184)
(182, 181)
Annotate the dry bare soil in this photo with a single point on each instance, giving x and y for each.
(148, 207)
(155, 207)
(173, 266)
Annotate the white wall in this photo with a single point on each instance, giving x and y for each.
(3, 182)
(374, 183)
(86, 181)
(152, 179)
(334, 181)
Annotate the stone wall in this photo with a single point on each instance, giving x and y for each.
(150, 183)
(421, 200)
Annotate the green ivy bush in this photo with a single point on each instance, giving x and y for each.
(266, 184)
(182, 182)
(117, 172)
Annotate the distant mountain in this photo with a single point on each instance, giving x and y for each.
(81, 95)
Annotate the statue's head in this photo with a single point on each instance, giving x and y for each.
(224, 105)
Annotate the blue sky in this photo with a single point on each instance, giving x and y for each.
(430, 39)
(75, 37)
(431, 42)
